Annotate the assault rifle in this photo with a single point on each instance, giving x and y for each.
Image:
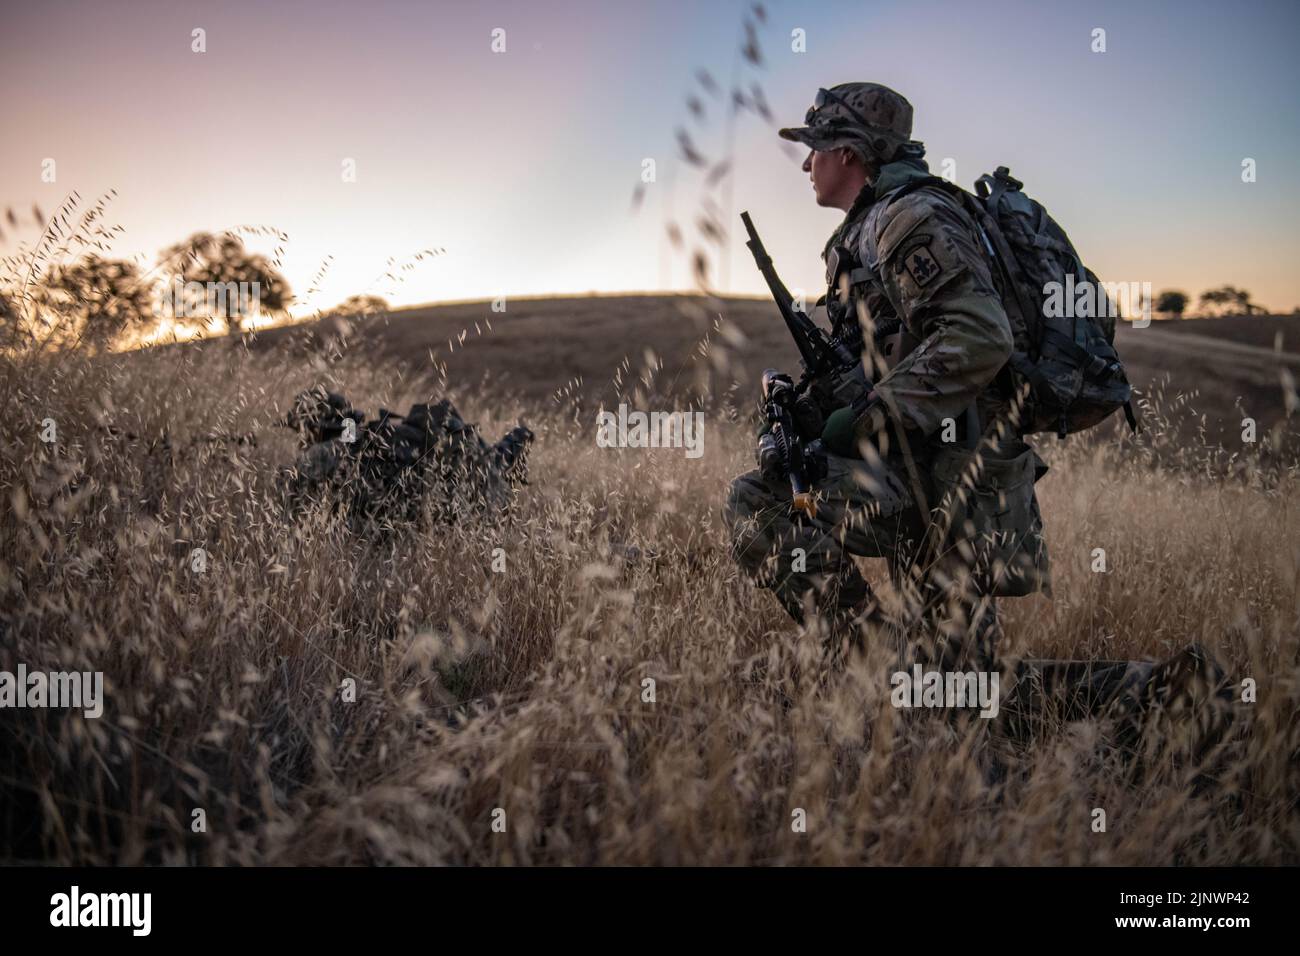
(782, 451)
(831, 369)
(832, 373)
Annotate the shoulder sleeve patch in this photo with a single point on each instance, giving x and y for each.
(923, 248)
(920, 262)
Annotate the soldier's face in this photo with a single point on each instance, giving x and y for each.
(837, 176)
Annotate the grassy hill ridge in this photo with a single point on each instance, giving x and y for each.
(1223, 367)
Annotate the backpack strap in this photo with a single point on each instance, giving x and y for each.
(1013, 279)
(991, 189)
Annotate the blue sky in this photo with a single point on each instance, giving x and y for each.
(521, 165)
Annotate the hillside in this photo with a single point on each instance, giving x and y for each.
(539, 346)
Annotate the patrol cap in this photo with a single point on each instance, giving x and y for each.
(871, 119)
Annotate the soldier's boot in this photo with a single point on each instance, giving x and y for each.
(1041, 694)
(1179, 709)
(1179, 714)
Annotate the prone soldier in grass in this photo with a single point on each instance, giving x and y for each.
(394, 466)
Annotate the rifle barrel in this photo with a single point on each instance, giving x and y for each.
(764, 262)
(802, 329)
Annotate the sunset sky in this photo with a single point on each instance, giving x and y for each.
(521, 165)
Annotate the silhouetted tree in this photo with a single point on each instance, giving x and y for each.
(12, 333)
(1229, 300)
(361, 305)
(1250, 308)
(1172, 302)
(214, 277)
(92, 301)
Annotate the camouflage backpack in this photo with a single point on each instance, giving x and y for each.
(1068, 360)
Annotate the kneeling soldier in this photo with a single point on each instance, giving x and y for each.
(928, 469)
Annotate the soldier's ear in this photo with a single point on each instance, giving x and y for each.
(850, 157)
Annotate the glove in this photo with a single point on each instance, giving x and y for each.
(847, 428)
(838, 432)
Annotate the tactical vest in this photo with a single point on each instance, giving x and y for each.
(854, 295)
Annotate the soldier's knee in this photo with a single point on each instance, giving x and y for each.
(747, 498)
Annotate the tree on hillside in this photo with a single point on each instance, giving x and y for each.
(214, 277)
(1229, 300)
(92, 301)
(1252, 308)
(338, 325)
(355, 306)
(12, 333)
(1171, 302)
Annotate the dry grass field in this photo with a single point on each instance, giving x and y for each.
(517, 695)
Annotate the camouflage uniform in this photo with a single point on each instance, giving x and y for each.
(944, 490)
(391, 466)
(909, 284)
